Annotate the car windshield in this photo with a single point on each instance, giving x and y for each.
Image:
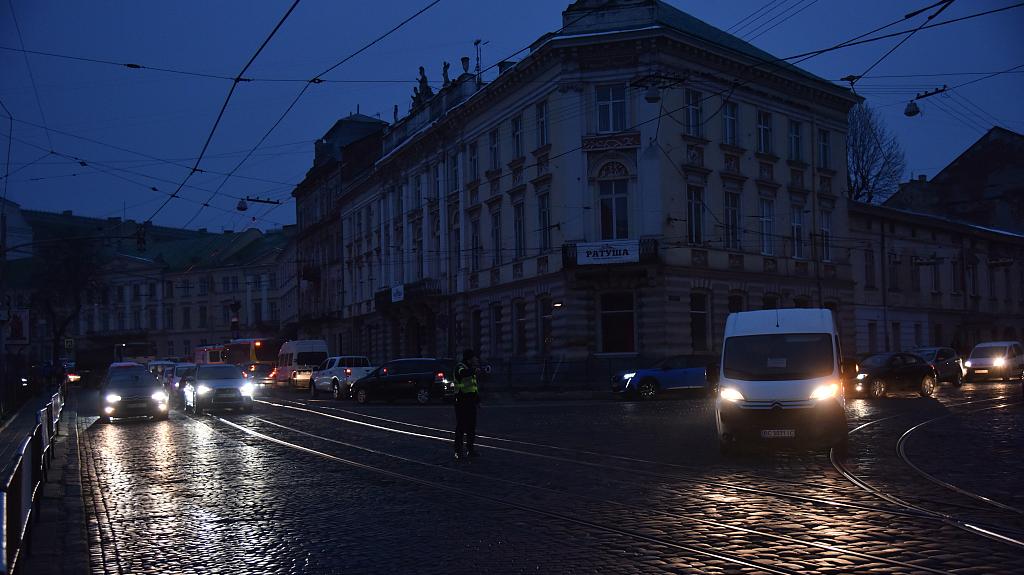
(875, 361)
(988, 351)
(777, 357)
(310, 357)
(124, 378)
(219, 372)
(927, 354)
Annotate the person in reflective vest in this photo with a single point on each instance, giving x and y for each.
(466, 399)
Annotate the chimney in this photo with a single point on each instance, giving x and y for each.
(922, 178)
(504, 65)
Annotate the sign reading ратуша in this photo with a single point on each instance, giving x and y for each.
(610, 252)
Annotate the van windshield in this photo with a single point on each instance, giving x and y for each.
(777, 357)
(988, 351)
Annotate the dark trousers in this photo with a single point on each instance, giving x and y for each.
(465, 420)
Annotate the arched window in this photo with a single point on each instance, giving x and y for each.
(613, 192)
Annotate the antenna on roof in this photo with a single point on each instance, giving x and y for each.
(478, 43)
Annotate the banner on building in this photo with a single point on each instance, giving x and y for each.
(17, 327)
(609, 252)
(397, 293)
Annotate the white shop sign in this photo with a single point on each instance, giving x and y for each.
(609, 252)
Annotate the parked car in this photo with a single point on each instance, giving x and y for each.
(422, 379)
(883, 372)
(677, 372)
(262, 376)
(218, 386)
(132, 392)
(296, 361)
(995, 361)
(336, 374)
(949, 366)
(176, 385)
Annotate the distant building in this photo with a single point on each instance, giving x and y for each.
(613, 195)
(983, 186)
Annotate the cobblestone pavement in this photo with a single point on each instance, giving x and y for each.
(589, 486)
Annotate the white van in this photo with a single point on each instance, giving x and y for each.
(995, 361)
(297, 360)
(780, 379)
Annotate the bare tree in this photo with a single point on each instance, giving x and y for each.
(874, 158)
(62, 274)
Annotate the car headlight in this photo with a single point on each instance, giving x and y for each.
(113, 398)
(827, 391)
(967, 363)
(160, 396)
(203, 389)
(731, 394)
(629, 375)
(248, 389)
(862, 376)
(999, 362)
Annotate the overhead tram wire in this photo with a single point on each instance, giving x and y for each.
(31, 76)
(995, 121)
(315, 80)
(784, 20)
(945, 4)
(227, 99)
(967, 112)
(741, 23)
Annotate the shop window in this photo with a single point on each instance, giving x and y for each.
(618, 323)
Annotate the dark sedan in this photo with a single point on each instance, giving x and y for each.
(884, 372)
(949, 366)
(422, 379)
(133, 392)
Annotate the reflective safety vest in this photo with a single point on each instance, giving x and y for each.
(465, 384)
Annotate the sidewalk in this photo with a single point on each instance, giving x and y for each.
(58, 541)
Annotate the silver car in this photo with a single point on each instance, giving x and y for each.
(218, 386)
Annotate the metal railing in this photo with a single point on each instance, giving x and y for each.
(21, 482)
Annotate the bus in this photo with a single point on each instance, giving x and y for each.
(248, 351)
(208, 354)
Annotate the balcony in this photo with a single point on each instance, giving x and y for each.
(610, 252)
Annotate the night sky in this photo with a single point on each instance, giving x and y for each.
(168, 116)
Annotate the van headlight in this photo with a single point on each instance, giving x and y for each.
(730, 394)
(967, 363)
(827, 391)
(628, 376)
(202, 389)
(999, 361)
(248, 389)
(113, 398)
(160, 396)
(862, 376)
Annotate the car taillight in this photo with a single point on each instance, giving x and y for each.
(440, 376)
(273, 373)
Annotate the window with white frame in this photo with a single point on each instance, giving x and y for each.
(733, 221)
(519, 225)
(496, 237)
(764, 132)
(541, 122)
(695, 214)
(544, 222)
(611, 108)
(517, 136)
(694, 113)
(494, 149)
(826, 235)
(614, 209)
(730, 123)
(796, 231)
(824, 149)
(767, 219)
(796, 144)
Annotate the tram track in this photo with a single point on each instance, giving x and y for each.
(728, 529)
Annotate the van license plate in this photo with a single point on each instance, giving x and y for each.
(981, 371)
(778, 433)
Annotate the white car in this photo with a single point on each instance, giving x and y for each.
(336, 375)
(995, 361)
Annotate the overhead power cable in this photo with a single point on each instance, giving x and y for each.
(314, 80)
(742, 22)
(945, 4)
(224, 106)
(783, 21)
(31, 76)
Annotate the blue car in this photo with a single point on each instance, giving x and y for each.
(672, 373)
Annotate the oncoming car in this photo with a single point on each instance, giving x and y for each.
(218, 386)
(132, 392)
(780, 379)
(678, 372)
(995, 361)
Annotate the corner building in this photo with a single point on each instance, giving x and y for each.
(614, 194)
